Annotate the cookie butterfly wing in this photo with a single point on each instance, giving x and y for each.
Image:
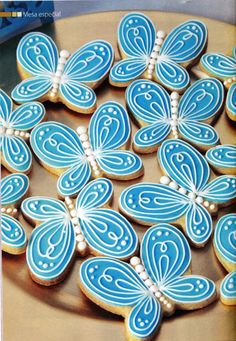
(189, 169)
(150, 105)
(227, 288)
(13, 188)
(202, 101)
(37, 56)
(51, 245)
(6, 106)
(218, 65)
(231, 101)
(13, 236)
(27, 116)
(59, 147)
(181, 48)
(166, 255)
(109, 130)
(87, 67)
(223, 156)
(221, 189)
(119, 288)
(136, 37)
(106, 231)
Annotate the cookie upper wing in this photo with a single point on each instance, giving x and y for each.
(109, 130)
(26, 116)
(13, 236)
(13, 188)
(5, 107)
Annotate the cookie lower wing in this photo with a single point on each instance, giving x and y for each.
(13, 235)
(221, 189)
(125, 71)
(190, 292)
(13, 188)
(198, 133)
(31, 89)
(50, 250)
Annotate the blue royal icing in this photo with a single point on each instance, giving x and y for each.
(231, 100)
(53, 77)
(165, 256)
(152, 107)
(58, 146)
(222, 156)
(14, 130)
(145, 55)
(13, 188)
(52, 243)
(225, 241)
(228, 287)
(187, 192)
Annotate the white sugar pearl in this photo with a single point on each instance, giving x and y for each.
(158, 294)
(62, 60)
(159, 41)
(58, 73)
(71, 206)
(93, 163)
(83, 137)
(174, 117)
(86, 144)
(81, 246)
(80, 238)
(22, 134)
(27, 135)
(150, 71)
(161, 34)
(169, 306)
(199, 200)
(154, 55)
(156, 48)
(54, 91)
(164, 180)
(161, 299)
(95, 167)
(174, 103)
(8, 210)
(73, 213)
(148, 282)
(14, 210)
(64, 54)
(97, 173)
(153, 288)
(75, 220)
(60, 67)
(16, 132)
(151, 67)
(81, 130)
(68, 200)
(174, 95)
(88, 151)
(91, 158)
(152, 61)
(212, 207)
(135, 261)
(174, 110)
(3, 209)
(191, 195)
(144, 275)
(9, 131)
(77, 229)
(206, 203)
(173, 185)
(182, 190)
(139, 268)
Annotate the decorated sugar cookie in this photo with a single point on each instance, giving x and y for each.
(151, 55)
(53, 76)
(78, 157)
(161, 115)
(223, 158)
(151, 286)
(185, 196)
(15, 129)
(13, 237)
(225, 248)
(66, 228)
(223, 67)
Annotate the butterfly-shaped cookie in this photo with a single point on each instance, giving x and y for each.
(63, 229)
(161, 115)
(77, 157)
(52, 76)
(147, 54)
(223, 67)
(225, 248)
(184, 196)
(13, 237)
(222, 158)
(14, 132)
(151, 286)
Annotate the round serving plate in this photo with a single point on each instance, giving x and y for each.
(62, 312)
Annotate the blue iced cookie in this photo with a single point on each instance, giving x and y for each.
(223, 158)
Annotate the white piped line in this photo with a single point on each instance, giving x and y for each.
(81, 243)
(135, 262)
(64, 55)
(83, 136)
(155, 52)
